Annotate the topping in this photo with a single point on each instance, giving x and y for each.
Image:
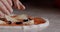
(29, 18)
(25, 20)
(2, 22)
(25, 23)
(19, 23)
(21, 19)
(3, 19)
(23, 16)
(8, 18)
(9, 22)
(39, 21)
(29, 22)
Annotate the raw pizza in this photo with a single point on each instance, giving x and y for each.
(20, 20)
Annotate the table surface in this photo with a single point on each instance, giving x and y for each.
(53, 15)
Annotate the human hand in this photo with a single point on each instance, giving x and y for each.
(6, 6)
(18, 5)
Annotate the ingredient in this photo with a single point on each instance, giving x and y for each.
(29, 18)
(9, 22)
(39, 20)
(23, 16)
(25, 20)
(3, 19)
(19, 23)
(2, 22)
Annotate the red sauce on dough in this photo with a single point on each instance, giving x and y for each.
(36, 21)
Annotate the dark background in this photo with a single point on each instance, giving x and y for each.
(42, 3)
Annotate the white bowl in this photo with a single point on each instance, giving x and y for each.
(31, 28)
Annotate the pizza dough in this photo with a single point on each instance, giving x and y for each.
(26, 23)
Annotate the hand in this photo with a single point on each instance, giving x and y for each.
(6, 6)
(18, 5)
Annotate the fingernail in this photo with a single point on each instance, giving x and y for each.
(23, 6)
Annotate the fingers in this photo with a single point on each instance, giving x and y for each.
(7, 5)
(21, 5)
(1, 14)
(10, 2)
(18, 5)
(3, 9)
